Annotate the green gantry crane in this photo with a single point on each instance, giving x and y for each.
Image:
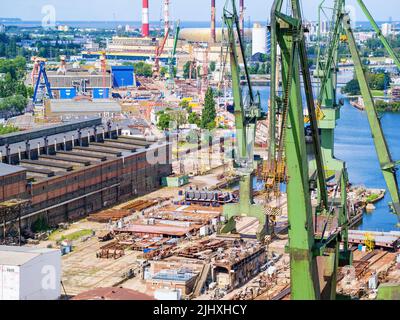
(314, 253)
(388, 166)
(315, 256)
(247, 112)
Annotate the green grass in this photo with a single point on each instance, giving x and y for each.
(372, 197)
(378, 93)
(56, 235)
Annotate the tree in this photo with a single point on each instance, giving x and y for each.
(186, 70)
(164, 120)
(184, 104)
(352, 88)
(163, 71)
(178, 118)
(141, 68)
(15, 67)
(208, 115)
(17, 103)
(376, 81)
(212, 66)
(194, 118)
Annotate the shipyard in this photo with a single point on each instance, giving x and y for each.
(231, 160)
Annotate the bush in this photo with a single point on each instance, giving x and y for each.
(7, 129)
(17, 102)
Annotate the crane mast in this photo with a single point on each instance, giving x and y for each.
(170, 81)
(308, 242)
(247, 112)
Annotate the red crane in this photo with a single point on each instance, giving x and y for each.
(159, 52)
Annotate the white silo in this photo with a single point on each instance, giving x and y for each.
(259, 39)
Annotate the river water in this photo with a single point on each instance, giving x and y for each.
(354, 144)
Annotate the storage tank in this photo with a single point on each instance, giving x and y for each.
(259, 38)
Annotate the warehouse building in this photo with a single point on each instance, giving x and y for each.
(74, 83)
(83, 107)
(67, 174)
(29, 273)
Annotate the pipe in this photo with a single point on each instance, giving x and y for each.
(145, 19)
(213, 34)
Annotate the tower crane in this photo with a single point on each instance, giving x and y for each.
(247, 112)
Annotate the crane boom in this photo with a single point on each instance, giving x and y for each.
(159, 52)
(388, 166)
(378, 31)
(171, 73)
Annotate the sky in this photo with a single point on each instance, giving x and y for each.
(186, 10)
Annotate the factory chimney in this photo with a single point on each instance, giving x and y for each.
(241, 17)
(145, 19)
(166, 16)
(213, 34)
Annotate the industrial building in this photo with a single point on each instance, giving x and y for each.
(30, 273)
(129, 49)
(73, 83)
(70, 170)
(79, 107)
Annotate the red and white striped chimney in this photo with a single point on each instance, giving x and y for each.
(166, 16)
(213, 34)
(145, 18)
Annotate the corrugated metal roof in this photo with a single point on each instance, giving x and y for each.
(18, 256)
(6, 169)
(96, 106)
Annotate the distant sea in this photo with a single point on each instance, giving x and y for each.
(136, 24)
(106, 24)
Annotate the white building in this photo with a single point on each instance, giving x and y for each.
(30, 273)
(2, 28)
(387, 29)
(63, 28)
(92, 46)
(259, 39)
(364, 36)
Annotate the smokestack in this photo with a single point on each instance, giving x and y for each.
(213, 34)
(145, 19)
(241, 18)
(166, 16)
